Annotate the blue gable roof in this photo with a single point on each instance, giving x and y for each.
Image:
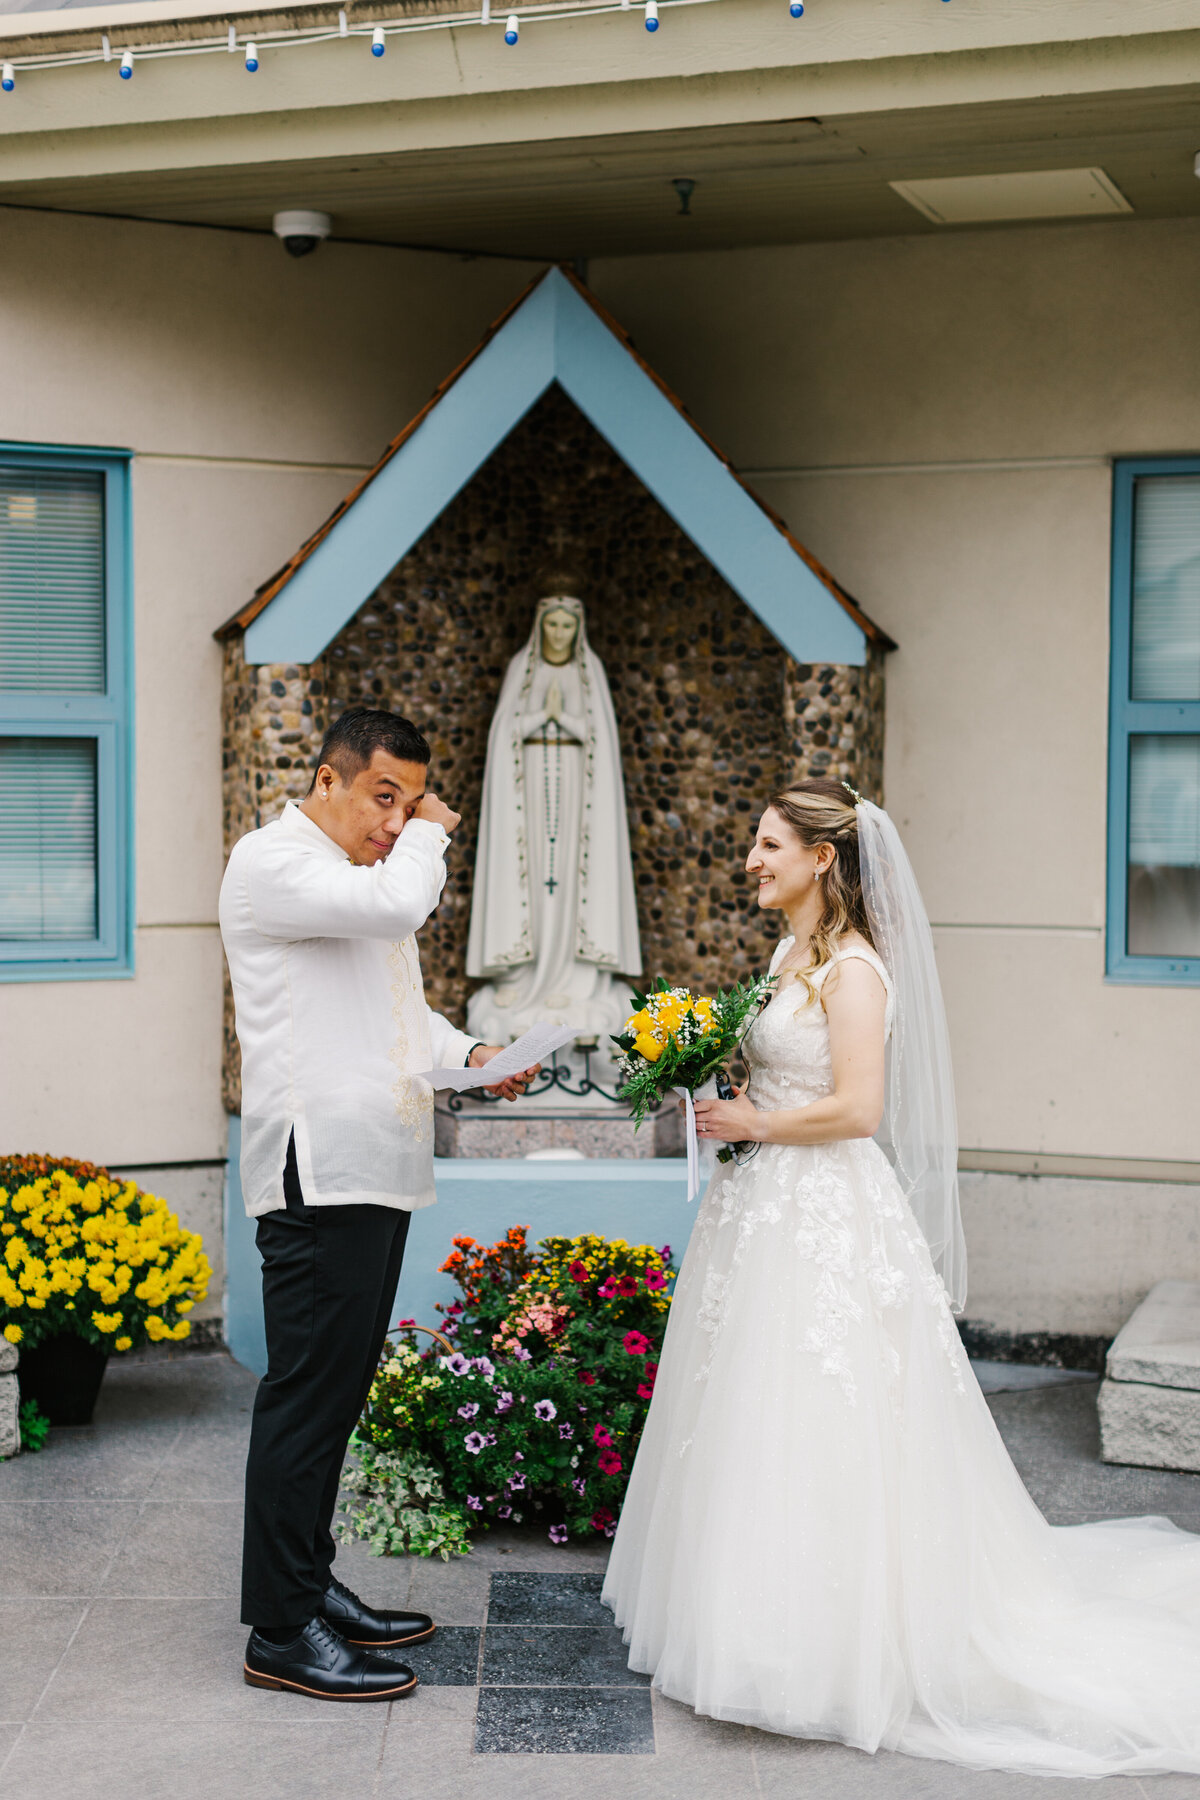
(556, 332)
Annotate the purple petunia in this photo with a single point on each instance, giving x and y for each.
(469, 1410)
(580, 1485)
(521, 1354)
(484, 1366)
(458, 1364)
(516, 1482)
(518, 1456)
(449, 1327)
(474, 1442)
(566, 1431)
(475, 1503)
(504, 1512)
(504, 1401)
(558, 1534)
(545, 1409)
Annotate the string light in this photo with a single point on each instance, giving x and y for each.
(251, 59)
(294, 38)
(797, 9)
(8, 80)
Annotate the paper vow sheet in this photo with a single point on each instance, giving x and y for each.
(536, 1045)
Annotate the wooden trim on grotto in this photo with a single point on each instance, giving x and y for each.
(549, 333)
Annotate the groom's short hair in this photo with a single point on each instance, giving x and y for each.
(353, 739)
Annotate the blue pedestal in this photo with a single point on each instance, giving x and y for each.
(641, 1200)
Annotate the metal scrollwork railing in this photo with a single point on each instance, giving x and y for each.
(557, 1078)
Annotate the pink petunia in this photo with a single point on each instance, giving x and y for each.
(602, 1518)
(636, 1342)
(578, 1273)
(600, 1435)
(610, 1462)
(608, 1289)
(587, 1378)
(627, 1286)
(656, 1281)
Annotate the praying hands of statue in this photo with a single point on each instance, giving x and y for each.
(515, 1086)
(554, 703)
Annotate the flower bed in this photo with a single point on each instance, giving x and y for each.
(84, 1254)
(536, 1415)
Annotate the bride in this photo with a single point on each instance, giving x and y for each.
(823, 1533)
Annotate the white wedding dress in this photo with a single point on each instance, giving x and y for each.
(823, 1533)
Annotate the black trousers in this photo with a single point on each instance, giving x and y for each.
(329, 1284)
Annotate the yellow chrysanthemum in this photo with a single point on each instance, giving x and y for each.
(13, 1333)
(122, 1343)
(106, 1321)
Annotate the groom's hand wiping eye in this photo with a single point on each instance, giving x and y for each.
(436, 811)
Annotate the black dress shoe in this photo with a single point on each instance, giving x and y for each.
(321, 1663)
(361, 1624)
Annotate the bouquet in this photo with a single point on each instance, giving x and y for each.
(679, 1040)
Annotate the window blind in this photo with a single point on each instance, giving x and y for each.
(47, 838)
(1164, 801)
(1165, 661)
(51, 580)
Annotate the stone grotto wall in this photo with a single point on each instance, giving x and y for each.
(713, 714)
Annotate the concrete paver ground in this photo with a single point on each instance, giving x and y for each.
(120, 1647)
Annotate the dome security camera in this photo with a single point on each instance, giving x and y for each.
(301, 232)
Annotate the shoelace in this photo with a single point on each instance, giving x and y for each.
(336, 1587)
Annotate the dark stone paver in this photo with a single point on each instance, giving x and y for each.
(583, 1721)
(546, 1599)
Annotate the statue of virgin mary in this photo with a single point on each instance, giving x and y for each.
(553, 918)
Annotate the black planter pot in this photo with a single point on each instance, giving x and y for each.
(63, 1374)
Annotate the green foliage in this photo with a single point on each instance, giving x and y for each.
(35, 1426)
(399, 1506)
(538, 1416)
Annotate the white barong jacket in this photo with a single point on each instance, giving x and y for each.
(332, 1016)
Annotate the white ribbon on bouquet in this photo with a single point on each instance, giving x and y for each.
(700, 1162)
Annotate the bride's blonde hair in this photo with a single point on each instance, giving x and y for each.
(821, 811)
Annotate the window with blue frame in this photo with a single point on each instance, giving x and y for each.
(65, 889)
(1154, 755)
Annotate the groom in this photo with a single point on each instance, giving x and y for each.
(318, 915)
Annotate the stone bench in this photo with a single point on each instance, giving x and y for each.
(10, 1431)
(1150, 1398)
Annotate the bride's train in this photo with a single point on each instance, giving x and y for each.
(824, 1534)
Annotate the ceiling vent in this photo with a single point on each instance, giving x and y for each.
(1028, 194)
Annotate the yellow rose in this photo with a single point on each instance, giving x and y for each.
(639, 1022)
(13, 1333)
(648, 1046)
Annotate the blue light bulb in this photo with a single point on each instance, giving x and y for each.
(251, 59)
(378, 45)
(651, 15)
(512, 29)
(8, 80)
(126, 69)
(797, 9)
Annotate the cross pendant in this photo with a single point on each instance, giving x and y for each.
(551, 883)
